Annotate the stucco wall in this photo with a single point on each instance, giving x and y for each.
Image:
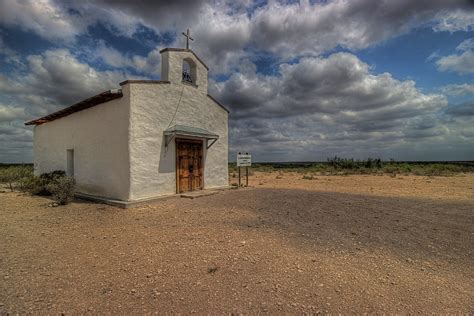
(99, 137)
(153, 167)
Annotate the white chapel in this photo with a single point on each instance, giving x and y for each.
(148, 139)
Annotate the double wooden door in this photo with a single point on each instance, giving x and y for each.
(189, 168)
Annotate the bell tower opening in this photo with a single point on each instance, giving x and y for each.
(189, 71)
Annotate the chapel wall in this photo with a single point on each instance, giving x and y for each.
(153, 108)
(99, 137)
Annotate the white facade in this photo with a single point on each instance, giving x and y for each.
(118, 147)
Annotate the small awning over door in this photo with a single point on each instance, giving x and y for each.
(188, 131)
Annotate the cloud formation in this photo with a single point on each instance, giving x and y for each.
(319, 106)
(226, 29)
(458, 89)
(315, 101)
(462, 63)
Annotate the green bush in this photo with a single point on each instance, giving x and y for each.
(62, 189)
(13, 175)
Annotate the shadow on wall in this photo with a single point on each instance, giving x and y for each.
(167, 157)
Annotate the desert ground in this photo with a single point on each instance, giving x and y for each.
(334, 244)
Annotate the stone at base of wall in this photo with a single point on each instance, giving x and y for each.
(130, 204)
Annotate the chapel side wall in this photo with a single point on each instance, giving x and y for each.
(153, 166)
(99, 137)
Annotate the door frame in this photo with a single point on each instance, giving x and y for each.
(201, 169)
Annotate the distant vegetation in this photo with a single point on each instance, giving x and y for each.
(347, 166)
(20, 177)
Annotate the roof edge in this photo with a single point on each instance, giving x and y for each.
(218, 103)
(100, 98)
(144, 81)
(171, 49)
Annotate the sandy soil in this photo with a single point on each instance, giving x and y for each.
(359, 244)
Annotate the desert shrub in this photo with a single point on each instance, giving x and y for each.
(308, 177)
(13, 175)
(62, 189)
(39, 185)
(42, 183)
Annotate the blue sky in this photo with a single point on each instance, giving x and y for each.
(304, 80)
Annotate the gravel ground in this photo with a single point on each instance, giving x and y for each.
(360, 244)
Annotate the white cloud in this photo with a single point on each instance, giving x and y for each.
(458, 89)
(462, 63)
(43, 17)
(224, 29)
(453, 21)
(149, 64)
(318, 107)
(9, 113)
(310, 29)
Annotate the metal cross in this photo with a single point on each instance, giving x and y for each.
(188, 37)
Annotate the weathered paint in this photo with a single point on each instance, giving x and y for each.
(119, 146)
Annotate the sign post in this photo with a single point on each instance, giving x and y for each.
(239, 175)
(244, 161)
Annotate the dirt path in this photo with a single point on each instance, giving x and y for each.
(272, 248)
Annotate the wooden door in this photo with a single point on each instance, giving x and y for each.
(189, 165)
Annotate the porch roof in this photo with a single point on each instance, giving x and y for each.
(189, 131)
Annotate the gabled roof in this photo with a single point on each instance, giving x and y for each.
(85, 104)
(99, 99)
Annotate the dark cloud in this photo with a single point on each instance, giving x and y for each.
(466, 109)
(304, 29)
(319, 107)
(340, 84)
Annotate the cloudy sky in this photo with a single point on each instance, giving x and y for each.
(303, 80)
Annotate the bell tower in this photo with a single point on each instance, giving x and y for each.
(183, 66)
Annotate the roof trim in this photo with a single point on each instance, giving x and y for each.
(82, 105)
(144, 81)
(170, 49)
(218, 103)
